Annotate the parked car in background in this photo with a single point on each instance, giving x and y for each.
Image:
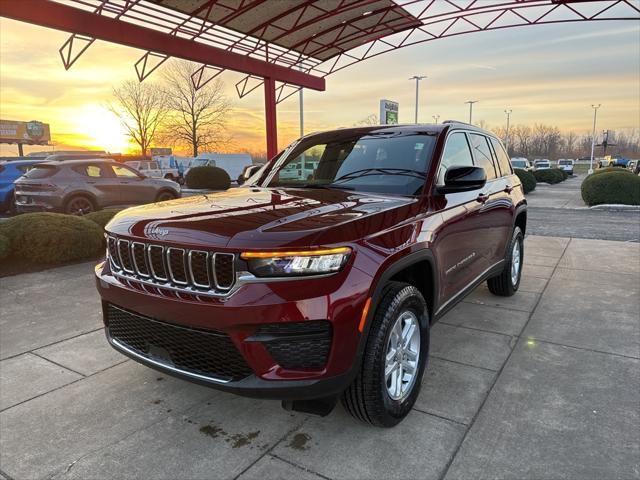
(232, 163)
(521, 163)
(308, 291)
(566, 164)
(173, 167)
(9, 173)
(541, 165)
(83, 186)
(148, 168)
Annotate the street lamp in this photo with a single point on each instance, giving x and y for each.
(417, 78)
(506, 139)
(436, 117)
(593, 135)
(471, 102)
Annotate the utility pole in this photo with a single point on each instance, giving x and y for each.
(471, 102)
(436, 117)
(417, 78)
(593, 135)
(506, 140)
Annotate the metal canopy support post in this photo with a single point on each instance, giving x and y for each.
(270, 117)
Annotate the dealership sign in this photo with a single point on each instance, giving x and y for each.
(31, 133)
(388, 112)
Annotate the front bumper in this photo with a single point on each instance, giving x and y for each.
(241, 315)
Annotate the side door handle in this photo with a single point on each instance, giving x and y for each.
(508, 188)
(482, 198)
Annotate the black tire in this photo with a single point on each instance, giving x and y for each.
(503, 284)
(165, 195)
(368, 398)
(79, 205)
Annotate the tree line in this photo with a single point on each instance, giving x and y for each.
(547, 141)
(173, 112)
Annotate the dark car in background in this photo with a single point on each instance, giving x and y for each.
(83, 186)
(9, 173)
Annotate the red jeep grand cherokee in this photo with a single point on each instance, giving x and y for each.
(320, 277)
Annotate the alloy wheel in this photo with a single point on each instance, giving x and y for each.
(402, 355)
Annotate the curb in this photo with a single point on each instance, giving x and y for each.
(612, 207)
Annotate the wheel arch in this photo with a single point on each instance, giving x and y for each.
(80, 193)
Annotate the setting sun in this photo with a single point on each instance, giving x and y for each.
(99, 129)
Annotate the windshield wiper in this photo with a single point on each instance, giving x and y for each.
(381, 171)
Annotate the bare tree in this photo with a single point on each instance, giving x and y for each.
(197, 118)
(140, 107)
(369, 120)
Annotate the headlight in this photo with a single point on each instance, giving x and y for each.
(300, 263)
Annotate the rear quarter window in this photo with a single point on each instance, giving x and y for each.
(42, 171)
(503, 158)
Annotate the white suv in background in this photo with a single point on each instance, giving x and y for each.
(541, 165)
(522, 163)
(566, 164)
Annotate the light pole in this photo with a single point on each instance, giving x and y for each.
(593, 135)
(436, 117)
(506, 140)
(417, 78)
(471, 102)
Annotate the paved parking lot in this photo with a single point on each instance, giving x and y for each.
(540, 385)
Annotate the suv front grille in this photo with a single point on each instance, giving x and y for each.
(207, 353)
(191, 271)
(297, 345)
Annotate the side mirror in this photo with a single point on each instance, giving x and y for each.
(463, 179)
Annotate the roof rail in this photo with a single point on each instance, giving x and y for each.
(458, 121)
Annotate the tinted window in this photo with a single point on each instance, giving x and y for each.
(482, 154)
(503, 158)
(456, 153)
(122, 171)
(382, 162)
(42, 171)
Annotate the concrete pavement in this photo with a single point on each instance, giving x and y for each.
(540, 385)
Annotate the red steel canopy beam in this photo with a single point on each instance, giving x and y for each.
(61, 17)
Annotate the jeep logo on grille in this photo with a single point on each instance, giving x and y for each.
(159, 232)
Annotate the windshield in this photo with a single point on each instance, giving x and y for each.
(380, 162)
(202, 162)
(519, 163)
(565, 162)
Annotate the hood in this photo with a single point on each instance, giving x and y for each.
(256, 218)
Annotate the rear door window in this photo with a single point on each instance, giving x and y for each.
(456, 153)
(482, 154)
(93, 171)
(503, 158)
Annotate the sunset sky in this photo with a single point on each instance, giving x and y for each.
(546, 74)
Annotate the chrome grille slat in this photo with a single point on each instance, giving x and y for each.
(179, 270)
(194, 259)
(173, 275)
(142, 270)
(160, 256)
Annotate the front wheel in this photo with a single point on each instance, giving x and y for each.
(507, 282)
(394, 359)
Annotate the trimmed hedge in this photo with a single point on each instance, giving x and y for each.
(611, 187)
(211, 178)
(52, 238)
(552, 175)
(4, 246)
(527, 179)
(612, 169)
(102, 217)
